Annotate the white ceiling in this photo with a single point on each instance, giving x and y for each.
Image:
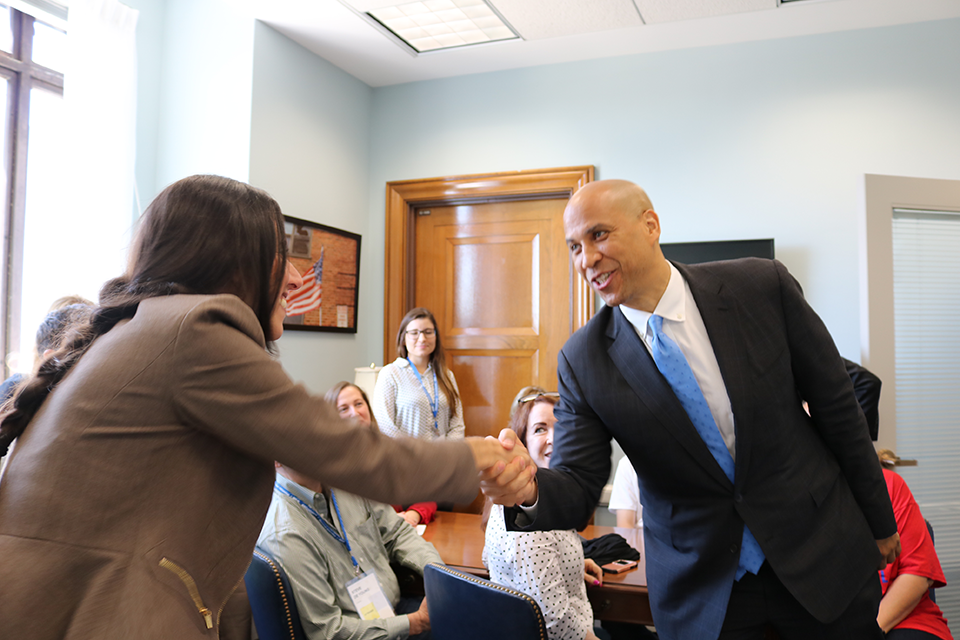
(555, 31)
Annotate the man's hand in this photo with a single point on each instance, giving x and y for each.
(411, 516)
(889, 549)
(489, 453)
(420, 619)
(512, 482)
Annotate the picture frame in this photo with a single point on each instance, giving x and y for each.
(328, 260)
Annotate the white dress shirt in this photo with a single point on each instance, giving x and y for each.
(684, 325)
(626, 491)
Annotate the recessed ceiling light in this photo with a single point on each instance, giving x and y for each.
(430, 25)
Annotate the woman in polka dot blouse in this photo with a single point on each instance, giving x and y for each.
(416, 395)
(547, 565)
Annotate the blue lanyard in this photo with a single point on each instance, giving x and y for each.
(435, 400)
(329, 529)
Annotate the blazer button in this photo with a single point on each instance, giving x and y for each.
(734, 548)
(738, 497)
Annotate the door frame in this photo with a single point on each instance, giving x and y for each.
(404, 196)
(881, 195)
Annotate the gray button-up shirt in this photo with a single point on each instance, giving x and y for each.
(319, 567)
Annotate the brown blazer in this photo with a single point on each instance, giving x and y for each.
(132, 502)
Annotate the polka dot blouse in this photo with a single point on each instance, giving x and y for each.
(545, 565)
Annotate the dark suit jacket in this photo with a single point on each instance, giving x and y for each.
(866, 386)
(810, 489)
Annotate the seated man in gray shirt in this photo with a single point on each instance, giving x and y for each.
(331, 574)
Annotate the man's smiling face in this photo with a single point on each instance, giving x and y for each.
(613, 236)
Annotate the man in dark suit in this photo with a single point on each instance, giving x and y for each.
(754, 513)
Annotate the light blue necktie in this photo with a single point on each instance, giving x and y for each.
(675, 369)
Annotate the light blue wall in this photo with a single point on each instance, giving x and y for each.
(150, 23)
(310, 148)
(205, 91)
(764, 139)
(195, 67)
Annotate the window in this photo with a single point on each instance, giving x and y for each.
(926, 294)
(909, 279)
(31, 88)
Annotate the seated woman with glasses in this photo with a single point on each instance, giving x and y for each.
(416, 395)
(546, 565)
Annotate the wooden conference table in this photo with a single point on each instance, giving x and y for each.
(622, 597)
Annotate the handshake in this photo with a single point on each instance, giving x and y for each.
(507, 474)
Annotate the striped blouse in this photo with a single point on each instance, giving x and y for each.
(401, 404)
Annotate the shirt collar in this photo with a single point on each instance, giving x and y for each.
(403, 362)
(672, 305)
(309, 496)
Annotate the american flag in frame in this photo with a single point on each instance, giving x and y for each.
(328, 260)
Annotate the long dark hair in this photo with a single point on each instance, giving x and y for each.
(201, 235)
(438, 358)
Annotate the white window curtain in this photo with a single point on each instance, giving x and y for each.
(80, 191)
(100, 100)
(926, 291)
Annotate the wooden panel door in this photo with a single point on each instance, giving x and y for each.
(497, 276)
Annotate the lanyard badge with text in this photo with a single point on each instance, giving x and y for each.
(435, 400)
(365, 591)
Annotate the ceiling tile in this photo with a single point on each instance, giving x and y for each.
(539, 19)
(655, 11)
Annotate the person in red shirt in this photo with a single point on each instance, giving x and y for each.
(906, 610)
(351, 402)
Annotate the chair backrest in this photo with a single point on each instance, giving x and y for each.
(271, 600)
(464, 607)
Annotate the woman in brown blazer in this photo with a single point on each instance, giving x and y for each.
(143, 461)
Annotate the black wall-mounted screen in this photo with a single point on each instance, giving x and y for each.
(696, 252)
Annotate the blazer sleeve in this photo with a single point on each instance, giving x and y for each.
(866, 386)
(579, 467)
(229, 387)
(822, 380)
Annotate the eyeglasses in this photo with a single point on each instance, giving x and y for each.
(534, 396)
(415, 333)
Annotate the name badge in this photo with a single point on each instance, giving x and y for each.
(368, 597)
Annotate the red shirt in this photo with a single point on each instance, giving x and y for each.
(917, 557)
(425, 509)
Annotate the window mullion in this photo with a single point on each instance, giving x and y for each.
(23, 43)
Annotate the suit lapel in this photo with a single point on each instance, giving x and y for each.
(636, 365)
(720, 314)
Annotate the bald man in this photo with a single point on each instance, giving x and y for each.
(755, 513)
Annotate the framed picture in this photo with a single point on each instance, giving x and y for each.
(328, 260)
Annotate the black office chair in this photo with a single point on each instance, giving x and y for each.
(271, 600)
(464, 607)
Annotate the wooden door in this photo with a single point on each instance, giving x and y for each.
(497, 277)
(490, 261)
